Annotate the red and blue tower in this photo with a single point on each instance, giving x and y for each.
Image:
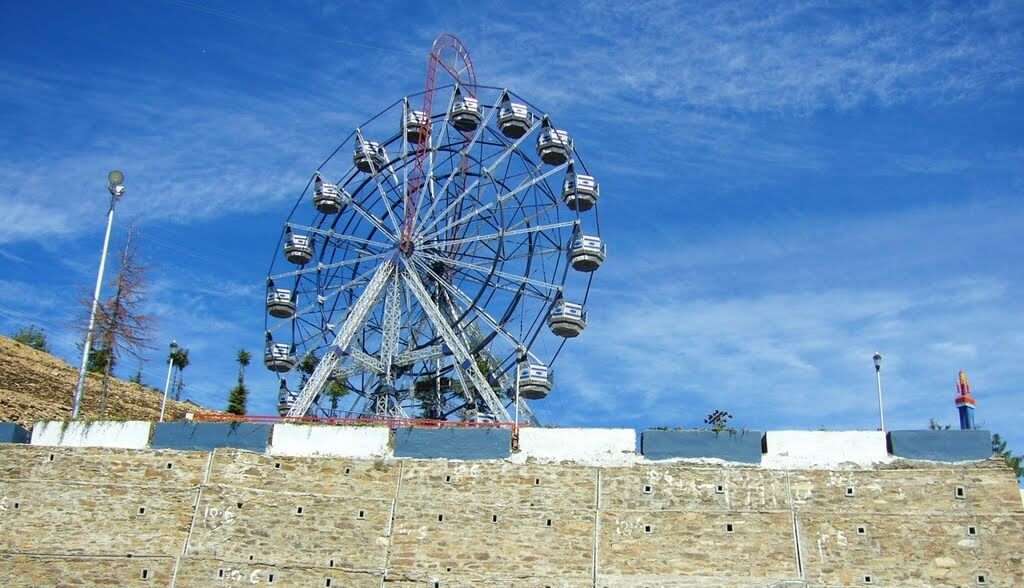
(964, 402)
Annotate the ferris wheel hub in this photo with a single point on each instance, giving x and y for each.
(406, 246)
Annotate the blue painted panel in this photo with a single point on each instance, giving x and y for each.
(741, 446)
(453, 443)
(941, 445)
(206, 436)
(13, 433)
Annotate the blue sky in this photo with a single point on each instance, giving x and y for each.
(786, 188)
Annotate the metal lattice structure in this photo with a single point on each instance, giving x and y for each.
(439, 270)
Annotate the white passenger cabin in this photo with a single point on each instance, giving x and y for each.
(466, 114)
(567, 319)
(514, 119)
(534, 381)
(580, 192)
(280, 303)
(298, 249)
(369, 157)
(327, 197)
(587, 253)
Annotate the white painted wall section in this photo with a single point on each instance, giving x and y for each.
(326, 440)
(824, 449)
(116, 434)
(586, 446)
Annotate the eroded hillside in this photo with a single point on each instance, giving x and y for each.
(37, 386)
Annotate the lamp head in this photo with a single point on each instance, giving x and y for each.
(174, 345)
(877, 357)
(115, 183)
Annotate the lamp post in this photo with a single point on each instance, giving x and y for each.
(167, 383)
(877, 357)
(115, 185)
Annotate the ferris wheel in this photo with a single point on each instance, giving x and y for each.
(437, 261)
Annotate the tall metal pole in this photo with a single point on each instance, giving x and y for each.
(167, 383)
(878, 381)
(116, 190)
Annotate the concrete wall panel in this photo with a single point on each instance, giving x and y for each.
(824, 449)
(313, 440)
(13, 433)
(739, 446)
(118, 434)
(585, 446)
(454, 443)
(187, 436)
(947, 446)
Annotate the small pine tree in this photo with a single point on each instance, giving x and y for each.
(237, 399)
(99, 359)
(137, 378)
(1016, 462)
(32, 336)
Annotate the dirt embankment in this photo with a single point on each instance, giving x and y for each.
(36, 386)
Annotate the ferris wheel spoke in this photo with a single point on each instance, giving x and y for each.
(375, 174)
(490, 271)
(502, 234)
(337, 264)
(477, 309)
(390, 327)
(332, 234)
(358, 314)
(477, 211)
(487, 171)
(456, 345)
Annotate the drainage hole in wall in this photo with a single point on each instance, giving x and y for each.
(960, 492)
(447, 479)
(348, 471)
(129, 556)
(238, 505)
(862, 530)
(647, 529)
(362, 514)
(437, 585)
(169, 465)
(51, 457)
(549, 522)
(145, 573)
(277, 466)
(728, 527)
(982, 579)
(536, 481)
(719, 489)
(17, 505)
(330, 564)
(298, 510)
(440, 518)
(251, 557)
(142, 510)
(972, 530)
(220, 573)
(849, 491)
(867, 579)
(648, 489)
(494, 518)
(327, 582)
(270, 578)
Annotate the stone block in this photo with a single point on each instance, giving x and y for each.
(207, 436)
(116, 434)
(941, 445)
(738, 446)
(202, 572)
(453, 443)
(309, 475)
(13, 433)
(284, 528)
(693, 487)
(322, 440)
(90, 464)
(44, 571)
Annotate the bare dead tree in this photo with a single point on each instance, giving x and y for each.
(121, 326)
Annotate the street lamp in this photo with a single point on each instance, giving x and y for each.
(167, 384)
(877, 357)
(115, 185)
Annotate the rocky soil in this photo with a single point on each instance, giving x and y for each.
(36, 386)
